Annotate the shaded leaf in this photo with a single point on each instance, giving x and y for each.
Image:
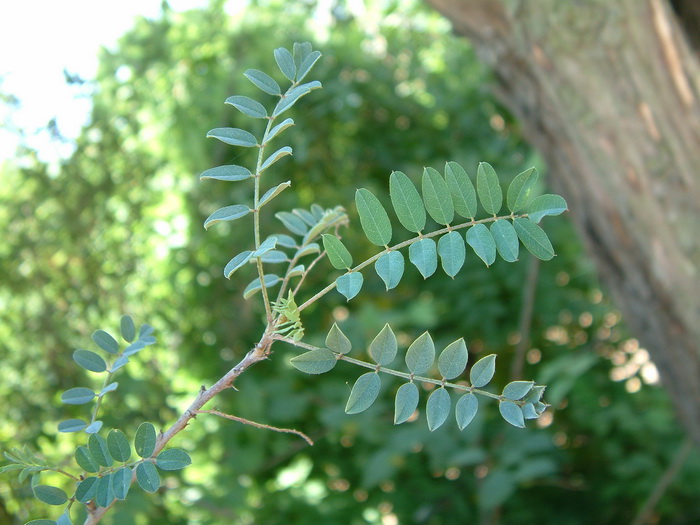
(77, 396)
(452, 252)
(317, 361)
(373, 217)
(105, 341)
(305, 215)
(263, 81)
(405, 403)
(480, 239)
(50, 495)
(86, 489)
(453, 359)
(534, 239)
(520, 190)
(71, 425)
(285, 62)
(293, 223)
(121, 481)
(105, 491)
(516, 390)
(296, 271)
(546, 205)
(465, 410)
(423, 255)
(147, 476)
(349, 284)
(247, 106)
(85, 461)
(227, 213)
(118, 445)
(489, 188)
(99, 450)
(234, 137)
(273, 192)
(127, 328)
(506, 240)
(407, 203)
(390, 268)
(462, 190)
(309, 249)
(285, 240)
(511, 413)
(235, 263)
(277, 155)
(337, 341)
(255, 286)
(173, 459)
(420, 355)
(364, 392)
(437, 408)
(279, 128)
(227, 173)
(89, 360)
(338, 254)
(145, 440)
(274, 257)
(437, 198)
(383, 347)
(482, 371)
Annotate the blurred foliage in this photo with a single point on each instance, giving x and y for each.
(117, 228)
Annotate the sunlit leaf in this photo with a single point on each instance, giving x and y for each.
(237, 262)
(105, 341)
(337, 341)
(453, 359)
(364, 392)
(227, 213)
(279, 128)
(546, 205)
(423, 255)
(534, 239)
(405, 403)
(373, 217)
(89, 360)
(292, 96)
(317, 361)
(145, 440)
(465, 410)
(420, 355)
(480, 239)
(234, 137)
(71, 425)
(349, 284)
(489, 188)
(268, 244)
(437, 198)
(452, 252)
(305, 215)
(127, 328)
(511, 413)
(109, 388)
(390, 268)
(338, 254)
(285, 61)
(277, 155)
(255, 286)
(173, 459)
(482, 371)
(462, 190)
(516, 390)
(307, 64)
(263, 81)
(94, 427)
(506, 240)
(227, 173)
(77, 396)
(407, 203)
(50, 495)
(520, 190)
(147, 476)
(247, 106)
(274, 257)
(273, 192)
(383, 347)
(437, 408)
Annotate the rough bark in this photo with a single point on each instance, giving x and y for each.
(608, 92)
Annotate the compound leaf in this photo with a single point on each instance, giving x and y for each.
(407, 203)
(534, 239)
(438, 408)
(173, 459)
(462, 190)
(489, 188)
(423, 255)
(465, 410)
(230, 173)
(247, 106)
(520, 190)
(317, 361)
(127, 328)
(234, 137)
(453, 359)
(337, 341)
(364, 392)
(349, 284)
(89, 360)
(452, 252)
(512, 413)
(384, 346)
(405, 403)
(482, 371)
(421, 354)
(105, 341)
(390, 268)
(77, 396)
(480, 239)
(145, 440)
(338, 254)
(50, 495)
(147, 476)
(118, 445)
(263, 81)
(546, 205)
(436, 196)
(373, 217)
(506, 240)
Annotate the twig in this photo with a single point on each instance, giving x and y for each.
(259, 425)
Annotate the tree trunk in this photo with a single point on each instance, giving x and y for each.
(608, 92)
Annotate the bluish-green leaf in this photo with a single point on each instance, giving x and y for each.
(94, 427)
(337, 341)
(127, 328)
(121, 481)
(452, 252)
(273, 192)
(390, 268)
(480, 239)
(307, 64)
(437, 408)
(293, 223)
(453, 359)
(109, 388)
(118, 445)
(86, 489)
(373, 217)
(338, 254)
(512, 413)
(105, 341)
(529, 411)
(254, 287)
(247, 106)
(384, 346)
(298, 270)
(279, 128)
(292, 96)
(277, 155)
(274, 257)
(123, 360)
(482, 371)
(305, 215)
(364, 392)
(145, 330)
(309, 249)
(535, 394)
(84, 459)
(89, 360)
(234, 137)
(71, 425)
(349, 284)
(173, 459)
(407, 202)
(534, 239)
(147, 476)
(50, 495)
(437, 198)
(405, 403)
(546, 205)
(227, 213)
(227, 173)
(263, 81)
(77, 396)
(235, 263)
(489, 188)
(506, 240)
(420, 355)
(520, 190)
(105, 491)
(300, 50)
(42, 522)
(99, 450)
(285, 61)
(145, 440)
(465, 410)
(317, 211)
(462, 190)
(268, 244)
(423, 255)
(317, 361)
(516, 390)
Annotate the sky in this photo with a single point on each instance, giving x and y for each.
(41, 38)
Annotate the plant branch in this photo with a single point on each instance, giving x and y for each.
(259, 425)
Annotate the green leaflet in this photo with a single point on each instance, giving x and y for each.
(277, 155)
(373, 218)
(118, 445)
(293, 223)
(247, 106)
(173, 459)
(384, 346)
(235, 263)
(268, 244)
(452, 252)
(105, 491)
(89, 360)
(86, 489)
(462, 190)
(127, 328)
(482, 371)
(255, 286)
(405, 403)
(306, 64)
(77, 396)
(520, 190)
(420, 355)
(480, 239)
(84, 459)
(50, 495)
(546, 205)
(506, 240)
(423, 255)
(147, 477)
(407, 202)
(512, 413)
(227, 173)
(100, 451)
(234, 137)
(437, 408)
(279, 128)
(390, 268)
(534, 239)
(285, 61)
(121, 481)
(71, 425)
(145, 440)
(489, 188)
(263, 81)
(338, 254)
(465, 410)
(453, 359)
(349, 284)
(105, 341)
(437, 198)
(364, 392)
(293, 95)
(517, 389)
(337, 341)
(227, 213)
(317, 361)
